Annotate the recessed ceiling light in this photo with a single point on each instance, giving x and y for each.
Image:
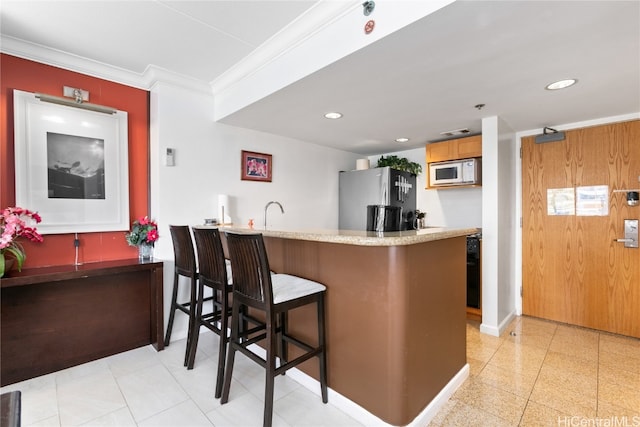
(561, 84)
(333, 115)
(402, 139)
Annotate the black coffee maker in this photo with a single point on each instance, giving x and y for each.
(384, 218)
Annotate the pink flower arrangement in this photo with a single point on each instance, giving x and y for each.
(14, 223)
(143, 232)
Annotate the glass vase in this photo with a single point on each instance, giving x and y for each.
(145, 252)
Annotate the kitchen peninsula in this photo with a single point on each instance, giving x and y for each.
(395, 307)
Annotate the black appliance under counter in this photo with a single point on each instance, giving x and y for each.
(474, 281)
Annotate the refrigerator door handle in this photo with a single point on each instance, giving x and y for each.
(403, 188)
(384, 188)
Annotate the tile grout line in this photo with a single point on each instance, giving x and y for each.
(502, 341)
(124, 398)
(189, 398)
(598, 377)
(538, 375)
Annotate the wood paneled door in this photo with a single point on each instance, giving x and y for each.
(573, 269)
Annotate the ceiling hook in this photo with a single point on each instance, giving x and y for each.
(368, 7)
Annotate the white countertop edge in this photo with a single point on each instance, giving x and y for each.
(359, 238)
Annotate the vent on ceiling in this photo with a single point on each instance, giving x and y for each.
(455, 132)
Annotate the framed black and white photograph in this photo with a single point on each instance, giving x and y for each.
(75, 167)
(71, 166)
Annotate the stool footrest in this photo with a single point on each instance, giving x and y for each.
(298, 360)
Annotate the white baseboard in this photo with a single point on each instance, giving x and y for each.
(367, 418)
(432, 409)
(497, 331)
(362, 415)
(489, 330)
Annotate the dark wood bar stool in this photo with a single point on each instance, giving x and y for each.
(185, 265)
(10, 408)
(256, 288)
(214, 273)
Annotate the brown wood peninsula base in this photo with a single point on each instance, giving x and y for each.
(57, 317)
(396, 312)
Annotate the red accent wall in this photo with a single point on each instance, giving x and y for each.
(58, 249)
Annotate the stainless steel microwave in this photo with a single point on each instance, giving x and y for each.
(455, 172)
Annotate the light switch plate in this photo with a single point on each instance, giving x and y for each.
(169, 157)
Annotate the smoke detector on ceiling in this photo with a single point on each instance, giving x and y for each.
(455, 132)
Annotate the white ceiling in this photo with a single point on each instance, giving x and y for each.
(415, 83)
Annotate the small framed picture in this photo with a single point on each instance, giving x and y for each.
(256, 166)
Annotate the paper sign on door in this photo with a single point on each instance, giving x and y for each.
(592, 200)
(561, 201)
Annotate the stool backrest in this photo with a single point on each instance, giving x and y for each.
(251, 274)
(184, 254)
(211, 262)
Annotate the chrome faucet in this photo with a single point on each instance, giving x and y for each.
(265, 211)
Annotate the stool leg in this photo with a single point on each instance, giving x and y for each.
(192, 318)
(323, 354)
(233, 341)
(243, 322)
(172, 314)
(272, 343)
(283, 351)
(222, 348)
(192, 347)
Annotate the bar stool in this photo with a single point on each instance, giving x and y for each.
(275, 294)
(215, 273)
(10, 409)
(185, 265)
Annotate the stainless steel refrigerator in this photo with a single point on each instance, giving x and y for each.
(377, 186)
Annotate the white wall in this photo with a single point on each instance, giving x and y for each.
(499, 150)
(508, 222)
(458, 207)
(207, 163)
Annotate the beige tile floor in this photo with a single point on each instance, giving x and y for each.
(542, 373)
(546, 374)
(143, 387)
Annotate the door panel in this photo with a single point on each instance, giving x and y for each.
(573, 270)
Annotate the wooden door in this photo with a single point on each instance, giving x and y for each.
(573, 270)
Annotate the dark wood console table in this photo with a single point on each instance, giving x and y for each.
(57, 317)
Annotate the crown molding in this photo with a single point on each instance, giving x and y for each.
(67, 61)
(314, 20)
(321, 15)
(325, 34)
(57, 58)
(154, 74)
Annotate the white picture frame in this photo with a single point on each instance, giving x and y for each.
(71, 166)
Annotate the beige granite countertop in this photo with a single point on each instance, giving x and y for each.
(361, 238)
